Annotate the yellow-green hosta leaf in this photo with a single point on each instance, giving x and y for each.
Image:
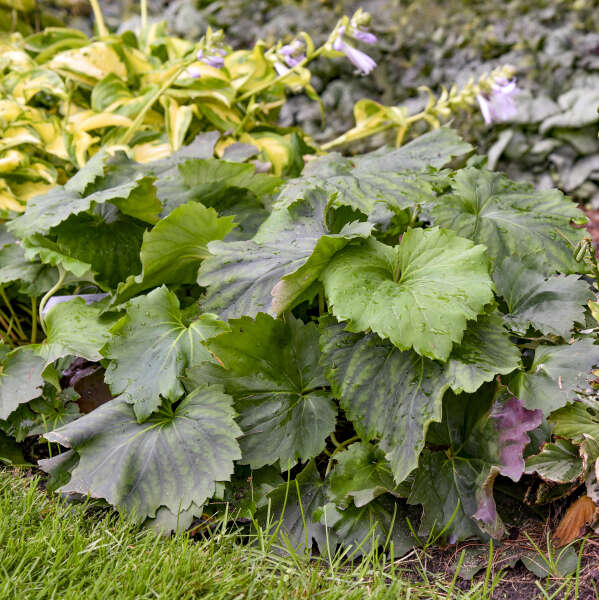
(249, 68)
(144, 153)
(220, 116)
(418, 295)
(9, 111)
(20, 5)
(39, 80)
(108, 92)
(89, 64)
(277, 149)
(8, 201)
(14, 58)
(89, 120)
(10, 160)
(176, 121)
(51, 40)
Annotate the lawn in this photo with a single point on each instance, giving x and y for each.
(53, 549)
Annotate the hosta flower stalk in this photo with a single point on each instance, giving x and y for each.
(494, 93)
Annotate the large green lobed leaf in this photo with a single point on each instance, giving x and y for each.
(387, 394)
(172, 460)
(174, 249)
(419, 294)
(150, 349)
(511, 219)
(271, 368)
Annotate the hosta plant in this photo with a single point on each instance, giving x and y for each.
(355, 356)
(63, 97)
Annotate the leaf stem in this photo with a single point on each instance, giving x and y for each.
(320, 303)
(8, 333)
(339, 446)
(279, 78)
(144, 15)
(99, 17)
(13, 314)
(33, 320)
(355, 134)
(61, 277)
(128, 135)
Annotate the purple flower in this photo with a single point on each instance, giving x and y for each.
(193, 71)
(215, 60)
(280, 68)
(292, 53)
(364, 36)
(499, 104)
(359, 59)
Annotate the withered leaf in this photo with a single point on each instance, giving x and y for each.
(577, 517)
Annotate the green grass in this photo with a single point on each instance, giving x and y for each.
(52, 549)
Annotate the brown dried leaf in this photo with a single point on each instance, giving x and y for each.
(577, 517)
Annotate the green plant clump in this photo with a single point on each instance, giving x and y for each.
(352, 356)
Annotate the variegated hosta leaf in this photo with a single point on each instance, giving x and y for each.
(559, 462)
(556, 374)
(150, 349)
(20, 379)
(511, 219)
(387, 394)
(293, 244)
(551, 305)
(174, 249)
(172, 460)
(482, 444)
(485, 351)
(419, 294)
(271, 368)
